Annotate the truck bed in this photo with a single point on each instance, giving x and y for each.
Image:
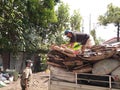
(60, 85)
(83, 81)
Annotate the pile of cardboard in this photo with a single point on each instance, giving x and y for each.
(80, 63)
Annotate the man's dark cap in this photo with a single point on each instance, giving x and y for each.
(67, 31)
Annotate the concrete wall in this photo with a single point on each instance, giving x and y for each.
(9, 61)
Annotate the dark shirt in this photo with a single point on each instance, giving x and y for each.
(79, 37)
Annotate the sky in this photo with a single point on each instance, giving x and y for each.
(90, 11)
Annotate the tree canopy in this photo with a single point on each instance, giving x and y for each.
(29, 25)
(24, 23)
(76, 20)
(112, 15)
(63, 20)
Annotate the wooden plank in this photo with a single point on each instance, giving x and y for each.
(83, 69)
(72, 86)
(74, 62)
(55, 64)
(56, 87)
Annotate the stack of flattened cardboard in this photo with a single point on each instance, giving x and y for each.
(80, 63)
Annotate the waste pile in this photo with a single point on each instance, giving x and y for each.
(100, 60)
(6, 77)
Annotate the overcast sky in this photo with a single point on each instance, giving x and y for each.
(90, 10)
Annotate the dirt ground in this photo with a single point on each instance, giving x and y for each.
(39, 82)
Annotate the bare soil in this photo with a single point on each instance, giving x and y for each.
(39, 82)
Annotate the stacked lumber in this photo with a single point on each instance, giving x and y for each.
(65, 58)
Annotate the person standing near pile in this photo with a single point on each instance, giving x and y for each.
(26, 75)
(85, 40)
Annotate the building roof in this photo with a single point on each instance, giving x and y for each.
(111, 41)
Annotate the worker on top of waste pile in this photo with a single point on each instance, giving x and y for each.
(84, 39)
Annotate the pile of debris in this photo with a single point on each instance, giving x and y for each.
(104, 58)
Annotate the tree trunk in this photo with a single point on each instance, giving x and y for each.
(6, 60)
(118, 32)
